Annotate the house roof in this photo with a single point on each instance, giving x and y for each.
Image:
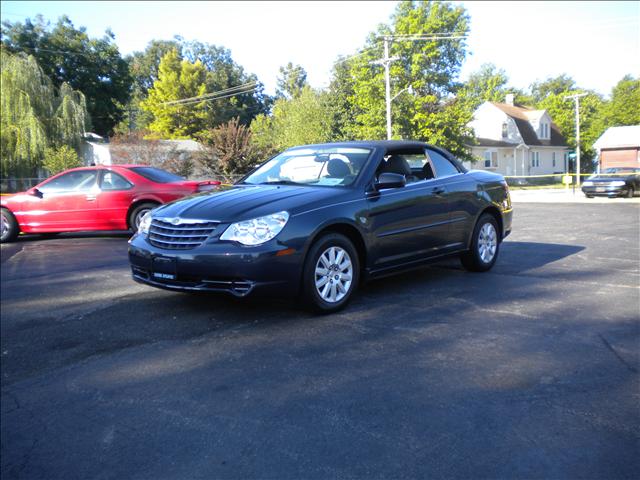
(488, 142)
(619, 137)
(521, 116)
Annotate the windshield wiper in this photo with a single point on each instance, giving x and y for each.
(280, 182)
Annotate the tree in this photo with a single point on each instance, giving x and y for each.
(429, 67)
(35, 115)
(488, 84)
(562, 111)
(291, 80)
(68, 55)
(552, 86)
(301, 120)
(229, 150)
(177, 80)
(59, 159)
(624, 106)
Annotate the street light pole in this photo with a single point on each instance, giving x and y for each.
(576, 99)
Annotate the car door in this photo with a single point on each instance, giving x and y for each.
(409, 223)
(67, 202)
(113, 200)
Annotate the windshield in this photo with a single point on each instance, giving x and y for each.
(622, 170)
(327, 167)
(157, 175)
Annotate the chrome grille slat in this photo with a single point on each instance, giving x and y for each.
(183, 235)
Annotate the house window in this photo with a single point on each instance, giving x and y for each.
(490, 159)
(535, 159)
(544, 130)
(553, 159)
(505, 130)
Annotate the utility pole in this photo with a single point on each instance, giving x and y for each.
(386, 62)
(576, 99)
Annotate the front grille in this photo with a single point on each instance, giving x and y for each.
(183, 235)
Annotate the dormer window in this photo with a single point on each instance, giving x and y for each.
(505, 130)
(544, 131)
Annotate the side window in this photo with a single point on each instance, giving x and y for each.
(442, 166)
(114, 181)
(76, 181)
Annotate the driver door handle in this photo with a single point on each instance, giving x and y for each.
(91, 198)
(438, 190)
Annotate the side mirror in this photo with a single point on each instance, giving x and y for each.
(390, 180)
(35, 192)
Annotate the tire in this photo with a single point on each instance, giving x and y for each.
(630, 192)
(588, 196)
(137, 213)
(485, 245)
(324, 293)
(9, 226)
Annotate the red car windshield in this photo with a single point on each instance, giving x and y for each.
(157, 175)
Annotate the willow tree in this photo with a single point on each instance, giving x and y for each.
(35, 115)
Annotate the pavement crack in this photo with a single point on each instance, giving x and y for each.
(629, 367)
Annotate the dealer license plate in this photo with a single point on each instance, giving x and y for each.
(599, 189)
(164, 268)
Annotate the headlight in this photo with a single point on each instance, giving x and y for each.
(256, 231)
(617, 183)
(145, 223)
(587, 184)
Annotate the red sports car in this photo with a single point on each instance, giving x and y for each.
(105, 197)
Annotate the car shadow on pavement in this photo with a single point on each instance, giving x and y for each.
(33, 237)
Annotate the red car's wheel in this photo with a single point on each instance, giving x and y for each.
(8, 226)
(137, 213)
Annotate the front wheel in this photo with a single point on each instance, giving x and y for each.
(630, 192)
(8, 226)
(331, 273)
(485, 245)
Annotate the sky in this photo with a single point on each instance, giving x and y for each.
(596, 43)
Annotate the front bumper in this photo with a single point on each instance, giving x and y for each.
(605, 190)
(218, 267)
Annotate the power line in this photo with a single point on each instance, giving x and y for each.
(200, 100)
(197, 98)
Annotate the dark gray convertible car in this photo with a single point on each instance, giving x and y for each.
(317, 219)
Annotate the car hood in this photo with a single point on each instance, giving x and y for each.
(238, 203)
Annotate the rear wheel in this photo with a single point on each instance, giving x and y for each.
(8, 226)
(137, 213)
(331, 273)
(588, 196)
(630, 192)
(485, 245)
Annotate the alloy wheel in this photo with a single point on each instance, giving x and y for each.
(333, 274)
(487, 242)
(4, 228)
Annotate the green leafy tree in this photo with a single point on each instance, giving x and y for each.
(624, 106)
(291, 80)
(178, 80)
(301, 120)
(340, 101)
(429, 67)
(68, 55)
(488, 84)
(552, 86)
(35, 115)
(562, 111)
(59, 159)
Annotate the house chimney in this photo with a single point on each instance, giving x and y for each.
(509, 99)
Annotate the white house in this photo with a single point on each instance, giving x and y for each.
(619, 147)
(515, 140)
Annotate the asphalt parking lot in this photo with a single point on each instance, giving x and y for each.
(529, 371)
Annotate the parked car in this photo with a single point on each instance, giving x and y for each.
(113, 197)
(317, 219)
(613, 182)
